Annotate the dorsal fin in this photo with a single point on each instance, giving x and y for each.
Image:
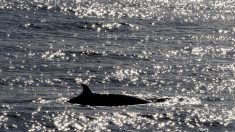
(86, 89)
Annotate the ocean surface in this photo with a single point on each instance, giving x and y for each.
(183, 50)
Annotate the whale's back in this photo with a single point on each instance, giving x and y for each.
(113, 100)
(93, 99)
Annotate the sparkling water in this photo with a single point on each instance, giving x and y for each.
(179, 49)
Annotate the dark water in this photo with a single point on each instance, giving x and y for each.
(183, 50)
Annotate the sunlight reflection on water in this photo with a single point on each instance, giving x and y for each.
(182, 50)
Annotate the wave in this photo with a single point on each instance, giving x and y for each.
(139, 9)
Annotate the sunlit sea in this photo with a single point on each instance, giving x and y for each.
(183, 50)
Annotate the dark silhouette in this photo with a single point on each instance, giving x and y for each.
(93, 99)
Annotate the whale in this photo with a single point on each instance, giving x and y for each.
(87, 97)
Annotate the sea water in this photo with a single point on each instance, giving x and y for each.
(183, 50)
